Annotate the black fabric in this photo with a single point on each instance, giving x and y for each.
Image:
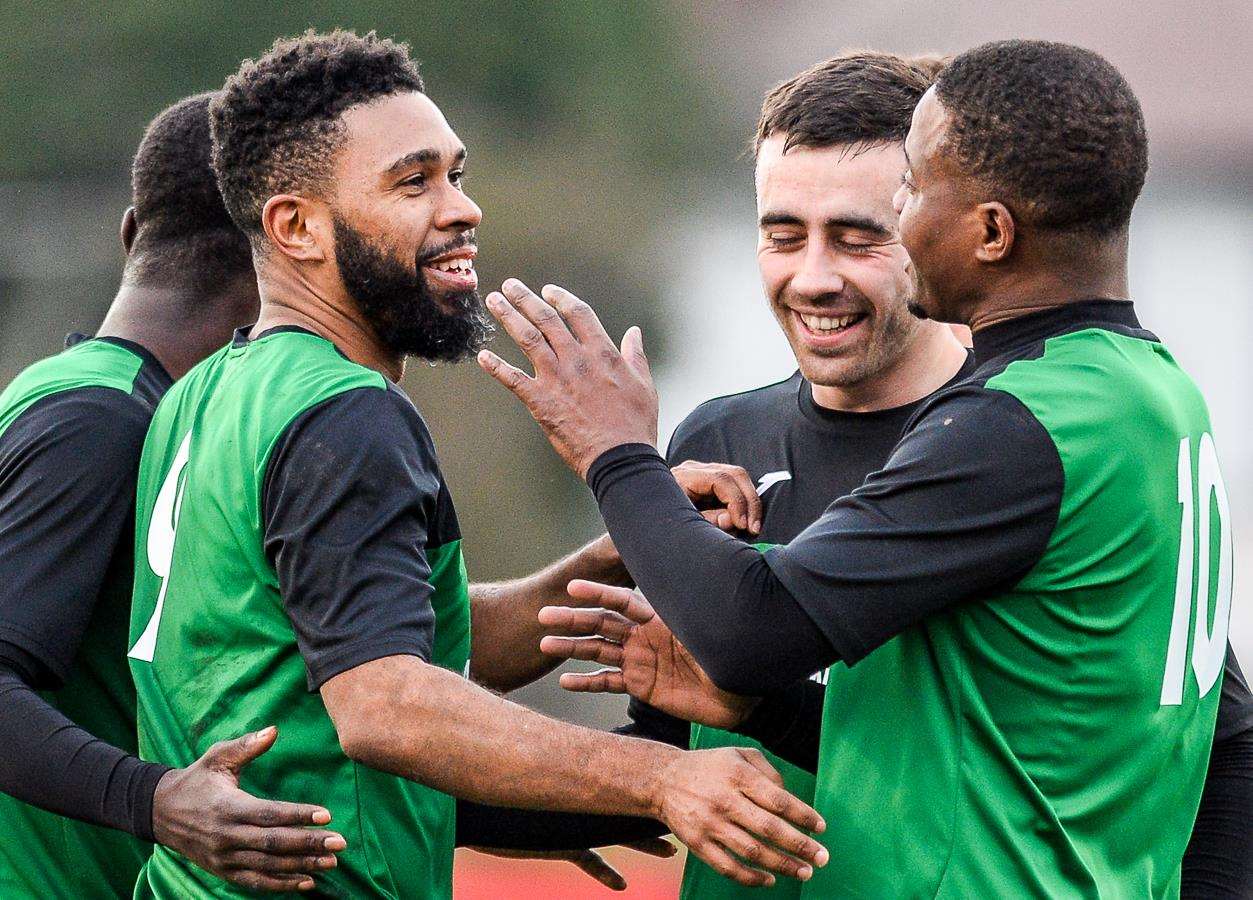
(1235, 705)
(1219, 859)
(789, 723)
(352, 496)
(503, 828)
(802, 457)
(50, 762)
(67, 505)
(67, 496)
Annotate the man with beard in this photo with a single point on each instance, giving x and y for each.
(301, 555)
(1038, 708)
(71, 430)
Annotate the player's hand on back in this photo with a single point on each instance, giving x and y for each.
(725, 494)
(617, 627)
(586, 394)
(265, 845)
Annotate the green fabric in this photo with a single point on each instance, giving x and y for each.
(225, 659)
(1020, 746)
(700, 882)
(43, 855)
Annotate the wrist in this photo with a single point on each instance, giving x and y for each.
(655, 784)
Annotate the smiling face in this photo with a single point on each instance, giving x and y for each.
(404, 228)
(831, 264)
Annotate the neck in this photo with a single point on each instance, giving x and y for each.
(179, 326)
(933, 357)
(1088, 272)
(289, 298)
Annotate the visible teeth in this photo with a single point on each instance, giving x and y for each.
(453, 265)
(827, 323)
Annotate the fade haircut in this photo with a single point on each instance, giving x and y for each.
(1054, 126)
(184, 232)
(860, 98)
(276, 124)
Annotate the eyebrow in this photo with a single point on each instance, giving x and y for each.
(853, 222)
(420, 157)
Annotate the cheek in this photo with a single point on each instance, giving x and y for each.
(776, 271)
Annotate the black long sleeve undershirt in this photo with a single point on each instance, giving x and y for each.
(736, 586)
(50, 762)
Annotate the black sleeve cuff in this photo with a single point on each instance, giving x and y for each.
(620, 461)
(144, 782)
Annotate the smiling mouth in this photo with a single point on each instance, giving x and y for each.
(825, 326)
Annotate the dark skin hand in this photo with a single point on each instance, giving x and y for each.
(265, 845)
(586, 394)
(503, 614)
(589, 861)
(617, 627)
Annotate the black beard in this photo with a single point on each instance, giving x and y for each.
(399, 305)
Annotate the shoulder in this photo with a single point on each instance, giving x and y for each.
(970, 419)
(715, 418)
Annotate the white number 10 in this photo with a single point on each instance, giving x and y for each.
(161, 545)
(1209, 640)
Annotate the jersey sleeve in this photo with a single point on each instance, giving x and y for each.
(67, 498)
(350, 493)
(962, 510)
(964, 506)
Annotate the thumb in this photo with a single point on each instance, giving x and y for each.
(233, 755)
(633, 350)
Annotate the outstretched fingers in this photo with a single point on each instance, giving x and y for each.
(616, 599)
(604, 681)
(571, 622)
(588, 649)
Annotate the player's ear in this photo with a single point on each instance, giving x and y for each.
(997, 232)
(293, 225)
(129, 229)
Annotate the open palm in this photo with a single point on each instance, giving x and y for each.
(617, 627)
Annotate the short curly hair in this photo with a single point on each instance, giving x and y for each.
(860, 98)
(1055, 126)
(276, 123)
(184, 228)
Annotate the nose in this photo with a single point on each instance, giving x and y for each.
(458, 212)
(818, 274)
(898, 199)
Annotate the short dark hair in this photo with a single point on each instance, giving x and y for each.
(275, 125)
(1054, 126)
(184, 228)
(858, 98)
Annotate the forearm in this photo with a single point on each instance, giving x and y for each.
(504, 615)
(50, 762)
(439, 729)
(713, 591)
(1219, 858)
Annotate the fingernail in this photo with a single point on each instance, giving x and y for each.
(266, 732)
(321, 817)
(335, 843)
(328, 862)
(822, 857)
(511, 284)
(305, 885)
(756, 526)
(805, 873)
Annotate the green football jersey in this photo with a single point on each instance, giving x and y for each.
(45, 855)
(214, 653)
(1052, 740)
